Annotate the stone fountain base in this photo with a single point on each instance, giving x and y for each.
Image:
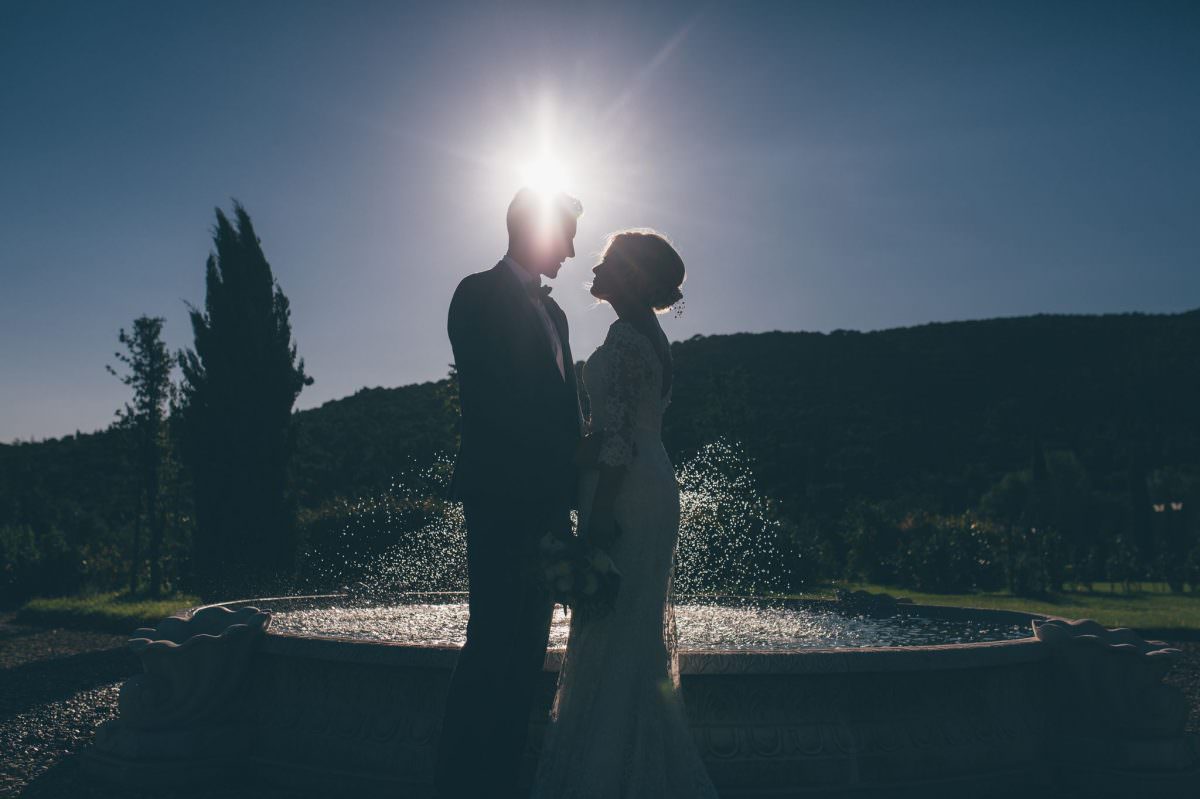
(351, 717)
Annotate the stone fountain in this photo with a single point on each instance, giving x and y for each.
(1066, 705)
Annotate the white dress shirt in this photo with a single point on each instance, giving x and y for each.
(527, 279)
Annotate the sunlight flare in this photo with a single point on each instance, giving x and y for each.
(546, 175)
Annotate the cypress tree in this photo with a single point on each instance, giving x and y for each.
(239, 385)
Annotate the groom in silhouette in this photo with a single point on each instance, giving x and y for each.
(521, 424)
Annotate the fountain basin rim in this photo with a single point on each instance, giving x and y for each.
(840, 660)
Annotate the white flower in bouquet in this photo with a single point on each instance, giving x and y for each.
(601, 562)
(590, 584)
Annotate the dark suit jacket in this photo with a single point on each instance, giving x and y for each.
(521, 421)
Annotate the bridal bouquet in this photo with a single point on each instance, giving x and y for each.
(581, 577)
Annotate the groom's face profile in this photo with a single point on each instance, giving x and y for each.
(557, 245)
(541, 234)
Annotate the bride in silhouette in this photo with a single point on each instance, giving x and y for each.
(617, 727)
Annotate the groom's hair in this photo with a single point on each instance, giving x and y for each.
(529, 204)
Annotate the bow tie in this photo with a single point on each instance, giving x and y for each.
(537, 291)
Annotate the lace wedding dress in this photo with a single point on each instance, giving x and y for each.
(618, 729)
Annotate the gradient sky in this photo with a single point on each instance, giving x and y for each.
(819, 166)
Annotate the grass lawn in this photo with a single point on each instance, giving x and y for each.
(1149, 607)
(113, 611)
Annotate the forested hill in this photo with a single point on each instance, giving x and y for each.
(934, 414)
(938, 412)
(357, 444)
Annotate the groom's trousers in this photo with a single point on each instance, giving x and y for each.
(486, 722)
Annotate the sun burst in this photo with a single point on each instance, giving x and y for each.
(546, 175)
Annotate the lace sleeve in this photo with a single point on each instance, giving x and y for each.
(629, 375)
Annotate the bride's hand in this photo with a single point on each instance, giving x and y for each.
(602, 529)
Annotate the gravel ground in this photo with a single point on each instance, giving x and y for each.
(57, 686)
(1186, 677)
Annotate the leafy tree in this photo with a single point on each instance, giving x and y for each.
(1043, 514)
(452, 405)
(1174, 494)
(239, 385)
(149, 375)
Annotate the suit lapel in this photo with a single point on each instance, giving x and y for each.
(519, 298)
(560, 324)
(541, 351)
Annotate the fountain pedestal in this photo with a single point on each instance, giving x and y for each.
(1118, 727)
(183, 719)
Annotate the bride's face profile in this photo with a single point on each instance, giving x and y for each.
(638, 269)
(612, 280)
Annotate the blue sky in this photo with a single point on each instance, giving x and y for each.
(819, 166)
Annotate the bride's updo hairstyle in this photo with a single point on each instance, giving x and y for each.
(649, 256)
